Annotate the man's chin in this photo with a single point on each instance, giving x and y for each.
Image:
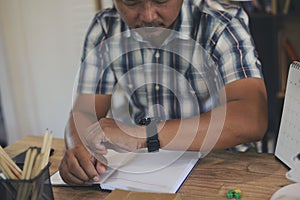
(151, 32)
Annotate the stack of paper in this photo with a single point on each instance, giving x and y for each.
(162, 171)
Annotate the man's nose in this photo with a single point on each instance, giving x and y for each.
(148, 13)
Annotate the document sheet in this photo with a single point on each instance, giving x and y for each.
(163, 171)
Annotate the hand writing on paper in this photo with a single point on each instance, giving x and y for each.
(111, 134)
(79, 167)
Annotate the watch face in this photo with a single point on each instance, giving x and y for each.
(145, 121)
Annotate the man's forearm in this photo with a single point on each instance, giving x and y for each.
(243, 119)
(71, 135)
(204, 133)
(76, 128)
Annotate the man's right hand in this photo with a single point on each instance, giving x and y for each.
(79, 167)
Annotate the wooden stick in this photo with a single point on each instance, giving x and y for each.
(45, 139)
(5, 169)
(42, 159)
(37, 166)
(44, 150)
(30, 164)
(33, 165)
(10, 161)
(11, 167)
(47, 150)
(24, 189)
(26, 162)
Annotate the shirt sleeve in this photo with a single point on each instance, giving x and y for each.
(235, 52)
(95, 76)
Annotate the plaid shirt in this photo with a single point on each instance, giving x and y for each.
(178, 75)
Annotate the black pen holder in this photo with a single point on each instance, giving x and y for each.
(38, 188)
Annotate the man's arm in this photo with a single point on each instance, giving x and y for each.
(245, 121)
(78, 166)
(245, 118)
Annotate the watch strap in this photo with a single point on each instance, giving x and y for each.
(153, 143)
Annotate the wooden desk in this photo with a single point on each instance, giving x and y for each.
(258, 176)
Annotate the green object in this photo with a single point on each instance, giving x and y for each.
(230, 194)
(237, 195)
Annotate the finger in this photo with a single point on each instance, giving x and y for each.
(99, 157)
(68, 177)
(101, 151)
(87, 166)
(75, 168)
(100, 167)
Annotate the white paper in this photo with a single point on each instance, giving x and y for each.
(288, 143)
(56, 179)
(162, 171)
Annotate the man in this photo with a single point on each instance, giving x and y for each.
(221, 29)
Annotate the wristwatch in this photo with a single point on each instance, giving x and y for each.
(153, 143)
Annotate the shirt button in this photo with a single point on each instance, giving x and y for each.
(157, 87)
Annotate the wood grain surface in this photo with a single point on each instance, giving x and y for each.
(257, 175)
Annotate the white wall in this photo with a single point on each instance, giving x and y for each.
(40, 49)
(106, 3)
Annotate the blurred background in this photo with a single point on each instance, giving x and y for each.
(40, 50)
